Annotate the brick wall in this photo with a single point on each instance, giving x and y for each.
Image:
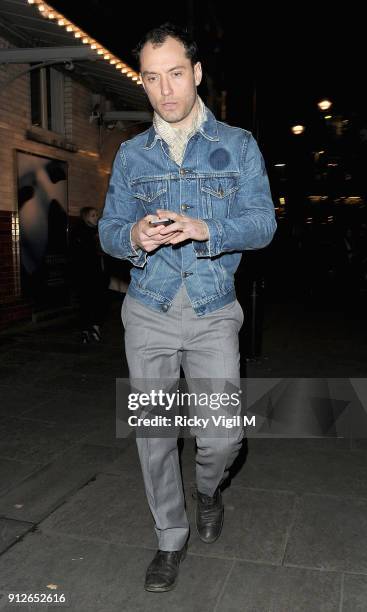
(88, 168)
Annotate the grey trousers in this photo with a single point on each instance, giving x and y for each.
(206, 347)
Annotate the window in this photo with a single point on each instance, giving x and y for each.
(47, 99)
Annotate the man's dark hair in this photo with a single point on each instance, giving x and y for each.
(157, 36)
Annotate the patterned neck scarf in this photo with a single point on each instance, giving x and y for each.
(177, 138)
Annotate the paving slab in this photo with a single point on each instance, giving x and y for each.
(88, 383)
(253, 587)
(304, 469)
(36, 441)
(74, 408)
(329, 533)
(14, 400)
(354, 593)
(47, 488)
(11, 531)
(12, 473)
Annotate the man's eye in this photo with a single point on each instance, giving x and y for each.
(151, 79)
(177, 73)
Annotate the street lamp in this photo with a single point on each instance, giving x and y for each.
(298, 129)
(324, 105)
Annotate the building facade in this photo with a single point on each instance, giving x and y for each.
(55, 158)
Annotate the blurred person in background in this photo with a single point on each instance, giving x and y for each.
(90, 279)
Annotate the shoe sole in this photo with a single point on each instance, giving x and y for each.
(172, 586)
(215, 539)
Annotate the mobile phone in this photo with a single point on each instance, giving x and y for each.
(163, 221)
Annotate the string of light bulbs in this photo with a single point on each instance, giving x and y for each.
(49, 13)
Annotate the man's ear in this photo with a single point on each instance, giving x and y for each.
(198, 73)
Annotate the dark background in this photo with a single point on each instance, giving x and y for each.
(294, 55)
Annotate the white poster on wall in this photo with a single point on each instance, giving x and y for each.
(43, 222)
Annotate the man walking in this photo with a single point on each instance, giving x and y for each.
(209, 180)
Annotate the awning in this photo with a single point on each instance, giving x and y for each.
(23, 25)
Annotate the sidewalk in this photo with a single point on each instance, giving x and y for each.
(73, 514)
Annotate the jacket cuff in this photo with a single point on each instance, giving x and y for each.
(212, 246)
(136, 256)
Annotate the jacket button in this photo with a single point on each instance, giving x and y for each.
(164, 307)
(186, 274)
(182, 171)
(185, 206)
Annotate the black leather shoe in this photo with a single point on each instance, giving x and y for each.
(209, 516)
(162, 573)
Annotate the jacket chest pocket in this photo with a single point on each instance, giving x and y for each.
(217, 195)
(151, 194)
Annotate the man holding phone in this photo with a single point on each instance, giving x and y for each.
(185, 199)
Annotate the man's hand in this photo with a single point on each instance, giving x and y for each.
(149, 238)
(183, 228)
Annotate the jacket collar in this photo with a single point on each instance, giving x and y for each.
(209, 129)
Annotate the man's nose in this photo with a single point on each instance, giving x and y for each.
(166, 88)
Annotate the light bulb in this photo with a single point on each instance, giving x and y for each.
(324, 105)
(298, 129)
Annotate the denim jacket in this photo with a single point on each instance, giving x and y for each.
(221, 180)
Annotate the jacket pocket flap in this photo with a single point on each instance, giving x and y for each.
(149, 191)
(219, 187)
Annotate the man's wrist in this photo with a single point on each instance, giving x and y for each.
(206, 231)
(134, 245)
